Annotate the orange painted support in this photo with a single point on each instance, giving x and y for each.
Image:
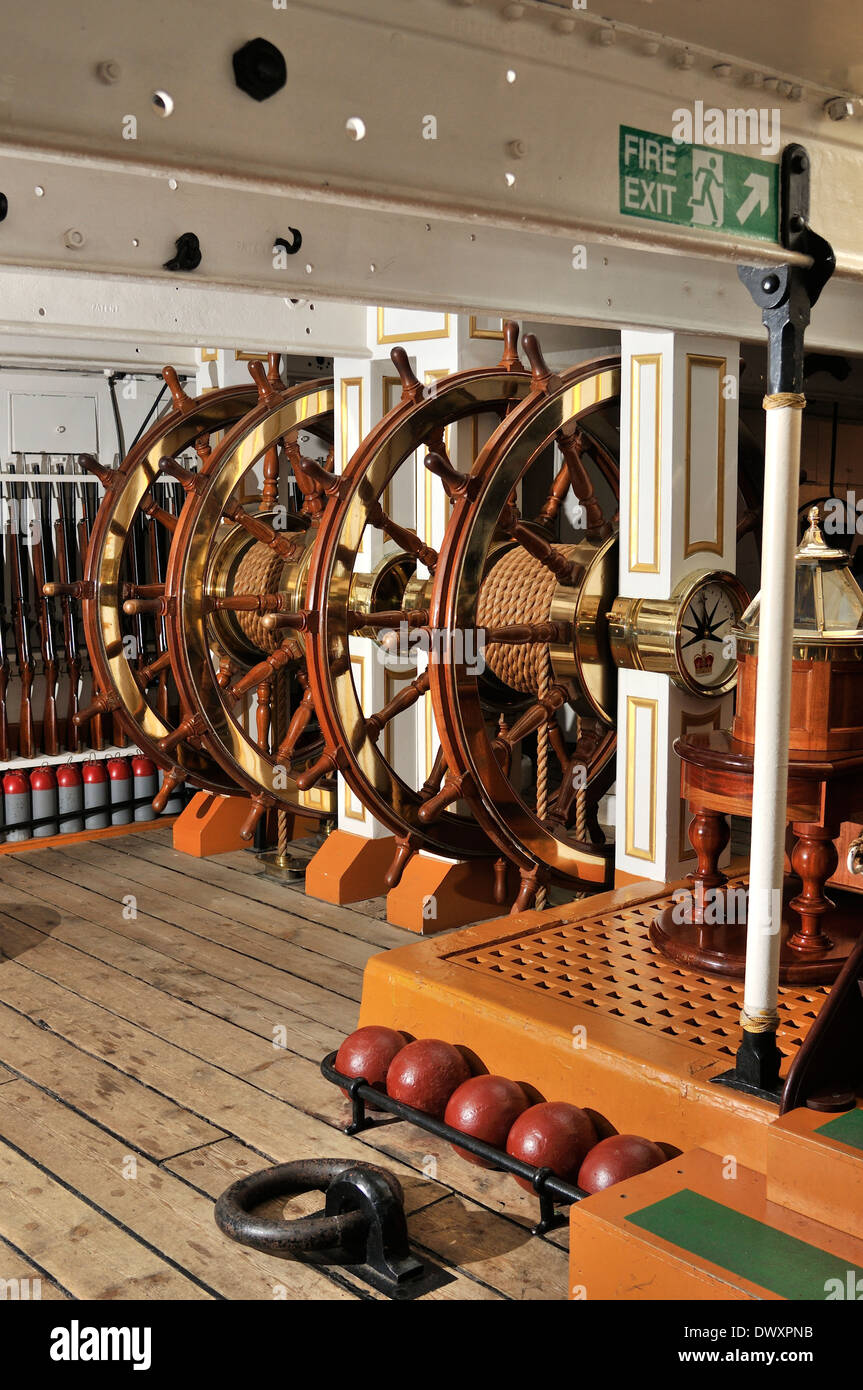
(815, 1166)
(435, 894)
(349, 868)
(702, 1227)
(211, 824)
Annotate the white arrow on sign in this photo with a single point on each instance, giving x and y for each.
(759, 195)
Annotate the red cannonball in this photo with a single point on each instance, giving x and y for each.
(553, 1135)
(368, 1053)
(615, 1159)
(486, 1107)
(425, 1074)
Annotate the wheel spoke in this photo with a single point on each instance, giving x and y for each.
(261, 531)
(406, 540)
(402, 700)
(572, 447)
(565, 571)
(527, 634)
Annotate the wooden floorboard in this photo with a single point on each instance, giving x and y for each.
(162, 1020)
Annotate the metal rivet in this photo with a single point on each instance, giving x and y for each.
(73, 239)
(517, 149)
(108, 72)
(839, 108)
(770, 284)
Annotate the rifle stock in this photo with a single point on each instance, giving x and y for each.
(95, 730)
(50, 743)
(70, 636)
(157, 570)
(5, 750)
(24, 657)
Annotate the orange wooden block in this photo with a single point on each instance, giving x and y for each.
(349, 868)
(211, 824)
(702, 1227)
(814, 1168)
(435, 894)
(577, 1002)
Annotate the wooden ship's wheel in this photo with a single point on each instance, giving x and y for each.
(138, 692)
(229, 567)
(353, 744)
(539, 605)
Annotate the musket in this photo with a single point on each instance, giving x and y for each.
(5, 751)
(20, 621)
(96, 735)
(138, 573)
(70, 634)
(157, 569)
(50, 744)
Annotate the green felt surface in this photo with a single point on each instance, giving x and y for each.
(845, 1129)
(742, 1245)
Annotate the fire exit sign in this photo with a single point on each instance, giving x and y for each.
(697, 186)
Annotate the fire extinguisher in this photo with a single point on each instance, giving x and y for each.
(95, 795)
(70, 798)
(16, 805)
(144, 784)
(121, 790)
(43, 786)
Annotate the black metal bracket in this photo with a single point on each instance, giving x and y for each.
(549, 1188)
(785, 294)
(362, 1228)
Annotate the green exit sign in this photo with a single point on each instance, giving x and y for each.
(697, 186)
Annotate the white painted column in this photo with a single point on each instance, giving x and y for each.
(772, 717)
(678, 513)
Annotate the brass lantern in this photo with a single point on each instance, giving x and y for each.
(827, 664)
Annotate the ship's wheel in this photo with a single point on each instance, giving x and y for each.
(230, 566)
(353, 742)
(534, 768)
(141, 692)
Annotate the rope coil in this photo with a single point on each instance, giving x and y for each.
(259, 572)
(785, 400)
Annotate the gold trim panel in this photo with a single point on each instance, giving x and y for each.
(644, 360)
(633, 704)
(474, 332)
(384, 337)
(714, 545)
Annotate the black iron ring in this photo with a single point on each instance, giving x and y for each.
(234, 1209)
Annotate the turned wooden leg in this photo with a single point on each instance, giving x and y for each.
(814, 859)
(262, 716)
(527, 891)
(709, 834)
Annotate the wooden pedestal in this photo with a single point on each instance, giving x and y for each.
(824, 791)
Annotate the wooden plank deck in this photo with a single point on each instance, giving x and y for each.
(161, 1023)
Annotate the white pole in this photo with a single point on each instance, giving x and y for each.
(772, 712)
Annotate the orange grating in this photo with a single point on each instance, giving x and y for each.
(608, 963)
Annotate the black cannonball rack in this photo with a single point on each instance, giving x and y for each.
(549, 1188)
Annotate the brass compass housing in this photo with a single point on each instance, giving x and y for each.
(687, 636)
